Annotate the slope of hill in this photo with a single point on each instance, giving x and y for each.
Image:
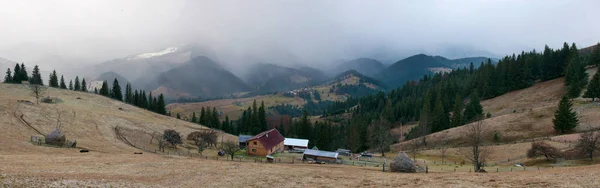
(200, 76)
(87, 118)
(365, 66)
(5, 64)
(524, 114)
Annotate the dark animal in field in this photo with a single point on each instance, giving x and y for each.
(83, 151)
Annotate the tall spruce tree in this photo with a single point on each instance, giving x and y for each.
(202, 119)
(77, 86)
(70, 84)
(23, 76)
(104, 91)
(215, 118)
(473, 110)
(457, 117)
(83, 85)
(62, 82)
(262, 117)
(53, 81)
(194, 119)
(305, 127)
(17, 74)
(425, 115)
(593, 89)
(161, 105)
(8, 78)
(594, 58)
(128, 94)
(440, 119)
(576, 78)
(136, 98)
(116, 91)
(36, 77)
(565, 119)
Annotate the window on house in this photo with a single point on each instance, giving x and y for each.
(254, 142)
(253, 150)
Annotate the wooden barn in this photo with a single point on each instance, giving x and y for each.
(265, 143)
(318, 155)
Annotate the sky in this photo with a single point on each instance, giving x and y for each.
(308, 32)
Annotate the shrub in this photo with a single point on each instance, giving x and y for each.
(172, 136)
(543, 149)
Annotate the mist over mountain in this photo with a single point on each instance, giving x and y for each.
(366, 66)
(200, 76)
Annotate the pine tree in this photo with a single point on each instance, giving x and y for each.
(425, 115)
(202, 119)
(457, 119)
(36, 77)
(262, 119)
(226, 125)
(23, 73)
(215, 118)
(595, 56)
(593, 89)
(8, 78)
(104, 91)
(194, 119)
(143, 100)
(440, 119)
(17, 74)
(161, 105)
(70, 84)
(305, 127)
(473, 110)
(248, 122)
(62, 82)
(565, 119)
(116, 91)
(83, 85)
(53, 81)
(128, 94)
(136, 98)
(576, 78)
(77, 86)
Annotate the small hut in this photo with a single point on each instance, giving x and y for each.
(56, 138)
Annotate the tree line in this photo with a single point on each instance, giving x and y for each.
(136, 98)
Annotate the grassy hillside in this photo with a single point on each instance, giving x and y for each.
(524, 114)
(88, 118)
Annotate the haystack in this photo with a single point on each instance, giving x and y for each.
(56, 138)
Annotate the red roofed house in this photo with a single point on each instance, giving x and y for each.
(265, 143)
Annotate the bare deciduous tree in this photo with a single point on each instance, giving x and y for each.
(444, 149)
(173, 137)
(380, 136)
(476, 152)
(414, 147)
(37, 91)
(543, 149)
(588, 143)
(230, 148)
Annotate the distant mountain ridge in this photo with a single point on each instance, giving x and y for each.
(200, 76)
(417, 66)
(365, 66)
(265, 78)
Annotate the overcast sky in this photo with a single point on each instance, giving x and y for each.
(311, 32)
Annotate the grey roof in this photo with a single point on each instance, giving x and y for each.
(321, 153)
(295, 142)
(244, 138)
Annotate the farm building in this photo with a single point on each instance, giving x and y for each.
(243, 140)
(265, 143)
(294, 143)
(318, 155)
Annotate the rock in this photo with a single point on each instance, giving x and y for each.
(403, 163)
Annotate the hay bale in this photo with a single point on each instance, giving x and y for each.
(403, 163)
(56, 138)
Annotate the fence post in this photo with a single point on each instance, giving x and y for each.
(496, 169)
(511, 169)
(426, 169)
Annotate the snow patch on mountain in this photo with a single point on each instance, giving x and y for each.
(440, 69)
(155, 54)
